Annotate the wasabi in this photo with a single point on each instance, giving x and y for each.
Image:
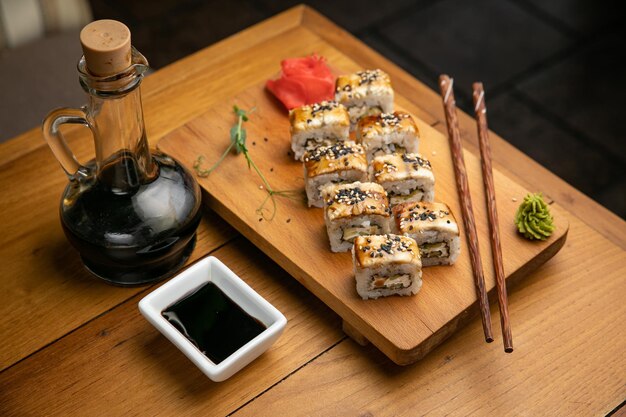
(533, 218)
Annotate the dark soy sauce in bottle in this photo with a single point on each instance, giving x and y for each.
(130, 231)
(131, 213)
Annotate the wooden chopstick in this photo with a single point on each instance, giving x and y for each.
(449, 105)
(480, 109)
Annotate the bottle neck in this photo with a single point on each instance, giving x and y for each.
(115, 115)
(123, 159)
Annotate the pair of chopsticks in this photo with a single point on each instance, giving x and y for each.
(480, 110)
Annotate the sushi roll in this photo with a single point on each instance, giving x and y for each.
(340, 163)
(405, 177)
(386, 265)
(354, 209)
(324, 123)
(433, 227)
(388, 133)
(364, 93)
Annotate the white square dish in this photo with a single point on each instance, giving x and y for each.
(207, 270)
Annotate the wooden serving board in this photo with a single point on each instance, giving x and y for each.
(404, 328)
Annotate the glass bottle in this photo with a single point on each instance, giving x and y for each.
(131, 213)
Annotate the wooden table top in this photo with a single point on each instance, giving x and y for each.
(72, 345)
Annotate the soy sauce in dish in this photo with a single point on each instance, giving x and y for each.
(213, 322)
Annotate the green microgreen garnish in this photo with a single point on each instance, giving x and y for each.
(238, 141)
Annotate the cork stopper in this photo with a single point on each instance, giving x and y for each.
(106, 46)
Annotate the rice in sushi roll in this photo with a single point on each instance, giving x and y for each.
(386, 265)
(364, 93)
(388, 133)
(433, 227)
(352, 210)
(405, 177)
(340, 163)
(324, 123)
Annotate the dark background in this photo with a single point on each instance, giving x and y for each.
(551, 68)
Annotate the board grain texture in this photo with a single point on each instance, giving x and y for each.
(404, 328)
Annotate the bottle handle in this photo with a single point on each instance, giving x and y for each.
(57, 143)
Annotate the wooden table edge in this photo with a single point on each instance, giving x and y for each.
(32, 139)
